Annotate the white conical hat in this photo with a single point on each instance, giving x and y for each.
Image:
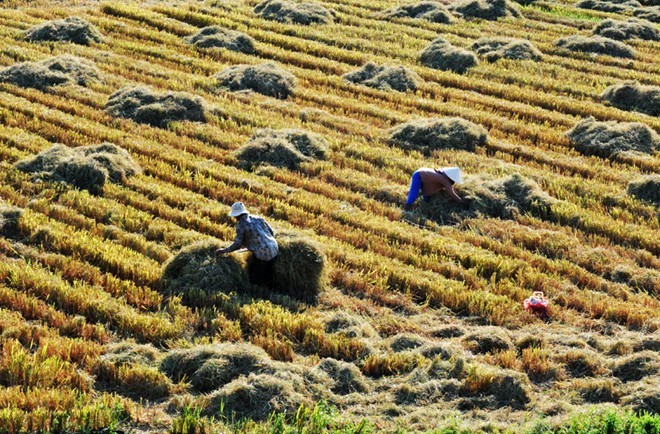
(454, 173)
(237, 209)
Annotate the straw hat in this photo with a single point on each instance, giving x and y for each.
(237, 209)
(454, 173)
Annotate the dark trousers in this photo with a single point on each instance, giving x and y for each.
(262, 273)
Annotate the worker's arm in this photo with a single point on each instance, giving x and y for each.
(238, 240)
(453, 195)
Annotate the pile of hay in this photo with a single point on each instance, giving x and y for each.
(487, 341)
(210, 367)
(426, 10)
(197, 274)
(405, 342)
(596, 45)
(632, 96)
(505, 387)
(267, 79)
(86, 167)
(158, 109)
(71, 29)
(126, 353)
(646, 189)
(282, 148)
(385, 77)
(54, 71)
(637, 366)
(609, 6)
(502, 198)
(440, 54)
(651, 14)
(9, 217)
(344, 377)
(606, 139)
(485, 9)
(300, 266)
(218, 37)
(632, 28)
(493, 49)
(351, 326)
(294, 13)
(428, 135)
(255, 397)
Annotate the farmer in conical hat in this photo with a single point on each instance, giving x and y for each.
(253, 233)
(431, 181)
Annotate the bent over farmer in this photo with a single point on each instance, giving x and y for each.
(431, 181)
(253, 233)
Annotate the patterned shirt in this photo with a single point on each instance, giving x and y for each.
(257, 236)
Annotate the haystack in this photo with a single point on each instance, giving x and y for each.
(426, 10)
(9, 218)
(646, 189)
(493, 49)
(71, 29)
(632, 96)
(385, 77)
(282, 148)
(405, 342)
(631, 29)
(651, 14)
(128, 353)
(300, 266)
(255, 397)
(637, 366)
(294, 13)
(502, 198)
(196, 273)
(596, 45)
(213, 366)
(505, 387)
(345, 377)
(54, 71)
(349, 325)
(428, 135)
(427, 393)
(485, 9)
(606, 139)
(266, 78)
(219, 37)
(609, 6)
(440, 54)
(487, 341)
(158, 109)
(86, 167)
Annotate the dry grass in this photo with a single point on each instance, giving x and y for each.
(629, 29)
(71, 29)
(637, 366)
(609, 6)
(487, 341)
(9, 220)
(86, 167)
(596, 45)
(607, 139)
(597, 390)
(197, 274)
(64, 69)
(426, 10)
(440, 54)
(651, 14)
(493, 49)
(219, 37)
(397, 78)
(505, 387)
(485, 9)
(633, 96)
(300, 267)
(294, 13)
(153, 108)
(256, 397)
(282, 148)
(344, 377)
(428, 135)
(266, 78)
